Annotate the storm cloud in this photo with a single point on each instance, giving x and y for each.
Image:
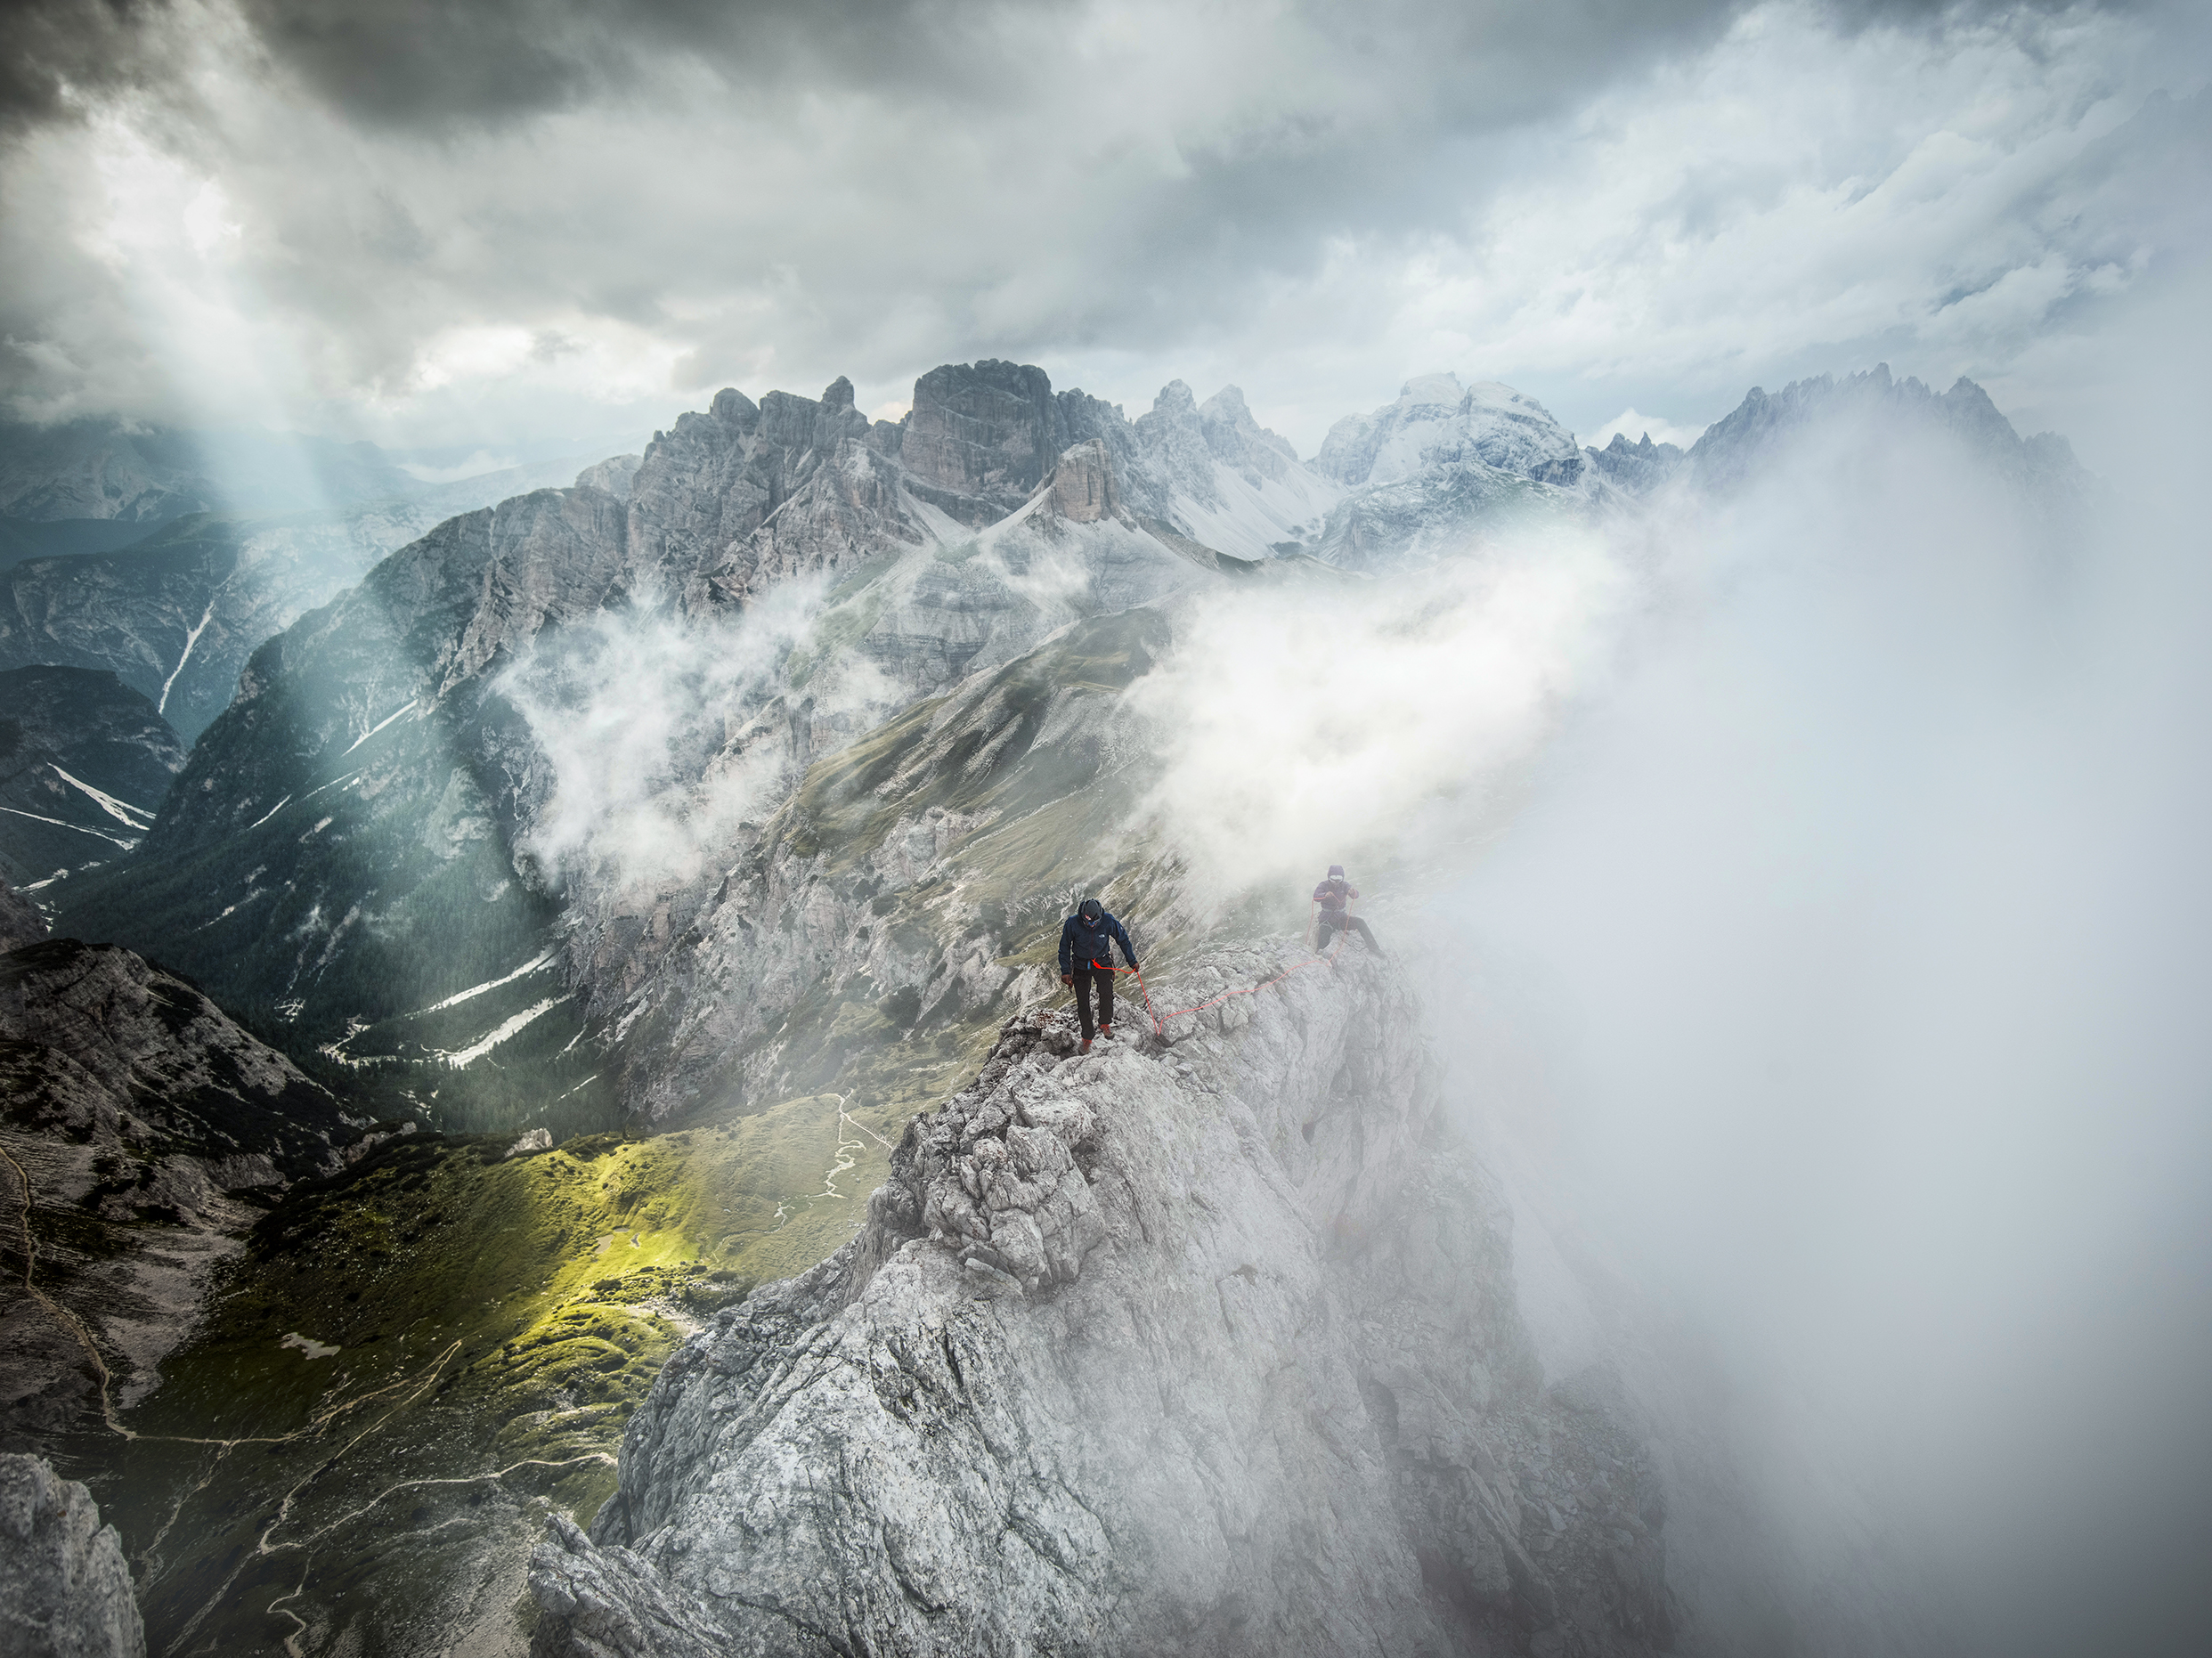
(516, 224)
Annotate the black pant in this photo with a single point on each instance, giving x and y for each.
(1084, 976)
(1330, 923)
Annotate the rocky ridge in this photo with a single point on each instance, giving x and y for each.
(65, 1591)
(176, 613)
(1748, 443)
(1638, 468)
(21, 921)
(141, 1125)
(1207, 1345)
(374, 768)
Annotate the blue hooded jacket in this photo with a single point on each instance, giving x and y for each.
(1083, 943)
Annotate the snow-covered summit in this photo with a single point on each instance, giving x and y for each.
(1437, 422)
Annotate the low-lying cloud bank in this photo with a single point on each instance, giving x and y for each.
(1811, 894)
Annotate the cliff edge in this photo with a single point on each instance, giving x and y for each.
(1205, 1344)
(65, 1591)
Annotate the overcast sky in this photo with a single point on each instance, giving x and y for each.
(520, 225)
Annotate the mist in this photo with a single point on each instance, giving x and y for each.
(1808, 889)
(1841, 979)
(662, 733)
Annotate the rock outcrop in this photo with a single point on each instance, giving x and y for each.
(65, 1590)
(1205, 1346)
(1083, 487)
(138, 1117)
(979, 438)
(21, 922)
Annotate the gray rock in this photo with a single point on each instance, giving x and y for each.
(138, 1116)
(1238, 440)
(1441, 471)
(1083, 488)
(65, 1591)
(1262, 1387)
(1435, 423)
(21, 921)
(979, 437)
(614, 475)
(1173, 439)
(1637, 467)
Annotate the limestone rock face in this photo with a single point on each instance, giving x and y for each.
(1083, 489)
(613, 474)
(1174, 440)
(979, 438)
(1205, 1346)
(65, 1591)
(735, 500)
(19, 920)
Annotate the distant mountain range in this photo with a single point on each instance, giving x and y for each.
(732, 793)
(360, 837)
(174, 607)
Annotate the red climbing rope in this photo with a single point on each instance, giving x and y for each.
(1159, 1025)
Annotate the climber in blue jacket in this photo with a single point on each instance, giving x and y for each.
(1086, 956)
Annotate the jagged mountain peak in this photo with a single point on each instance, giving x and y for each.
(1430, 389)
(1739, 445)
(733, 409)
(1175, 398)
(1239, 440)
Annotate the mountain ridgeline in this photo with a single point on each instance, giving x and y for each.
(359, 845)
(713, 815)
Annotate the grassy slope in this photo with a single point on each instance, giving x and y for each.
(495, 1323)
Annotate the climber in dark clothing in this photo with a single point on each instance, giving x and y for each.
(1086, 956)
(1335, 896)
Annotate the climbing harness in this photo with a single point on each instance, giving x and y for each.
(1160, 1022)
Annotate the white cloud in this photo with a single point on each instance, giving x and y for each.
(1302, 727)
(474, 465)
(1308, 204)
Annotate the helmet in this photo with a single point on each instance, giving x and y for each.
(1090, 909)
(1336, 870)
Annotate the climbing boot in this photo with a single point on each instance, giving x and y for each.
(1105, 1033)
(1085, 1048)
